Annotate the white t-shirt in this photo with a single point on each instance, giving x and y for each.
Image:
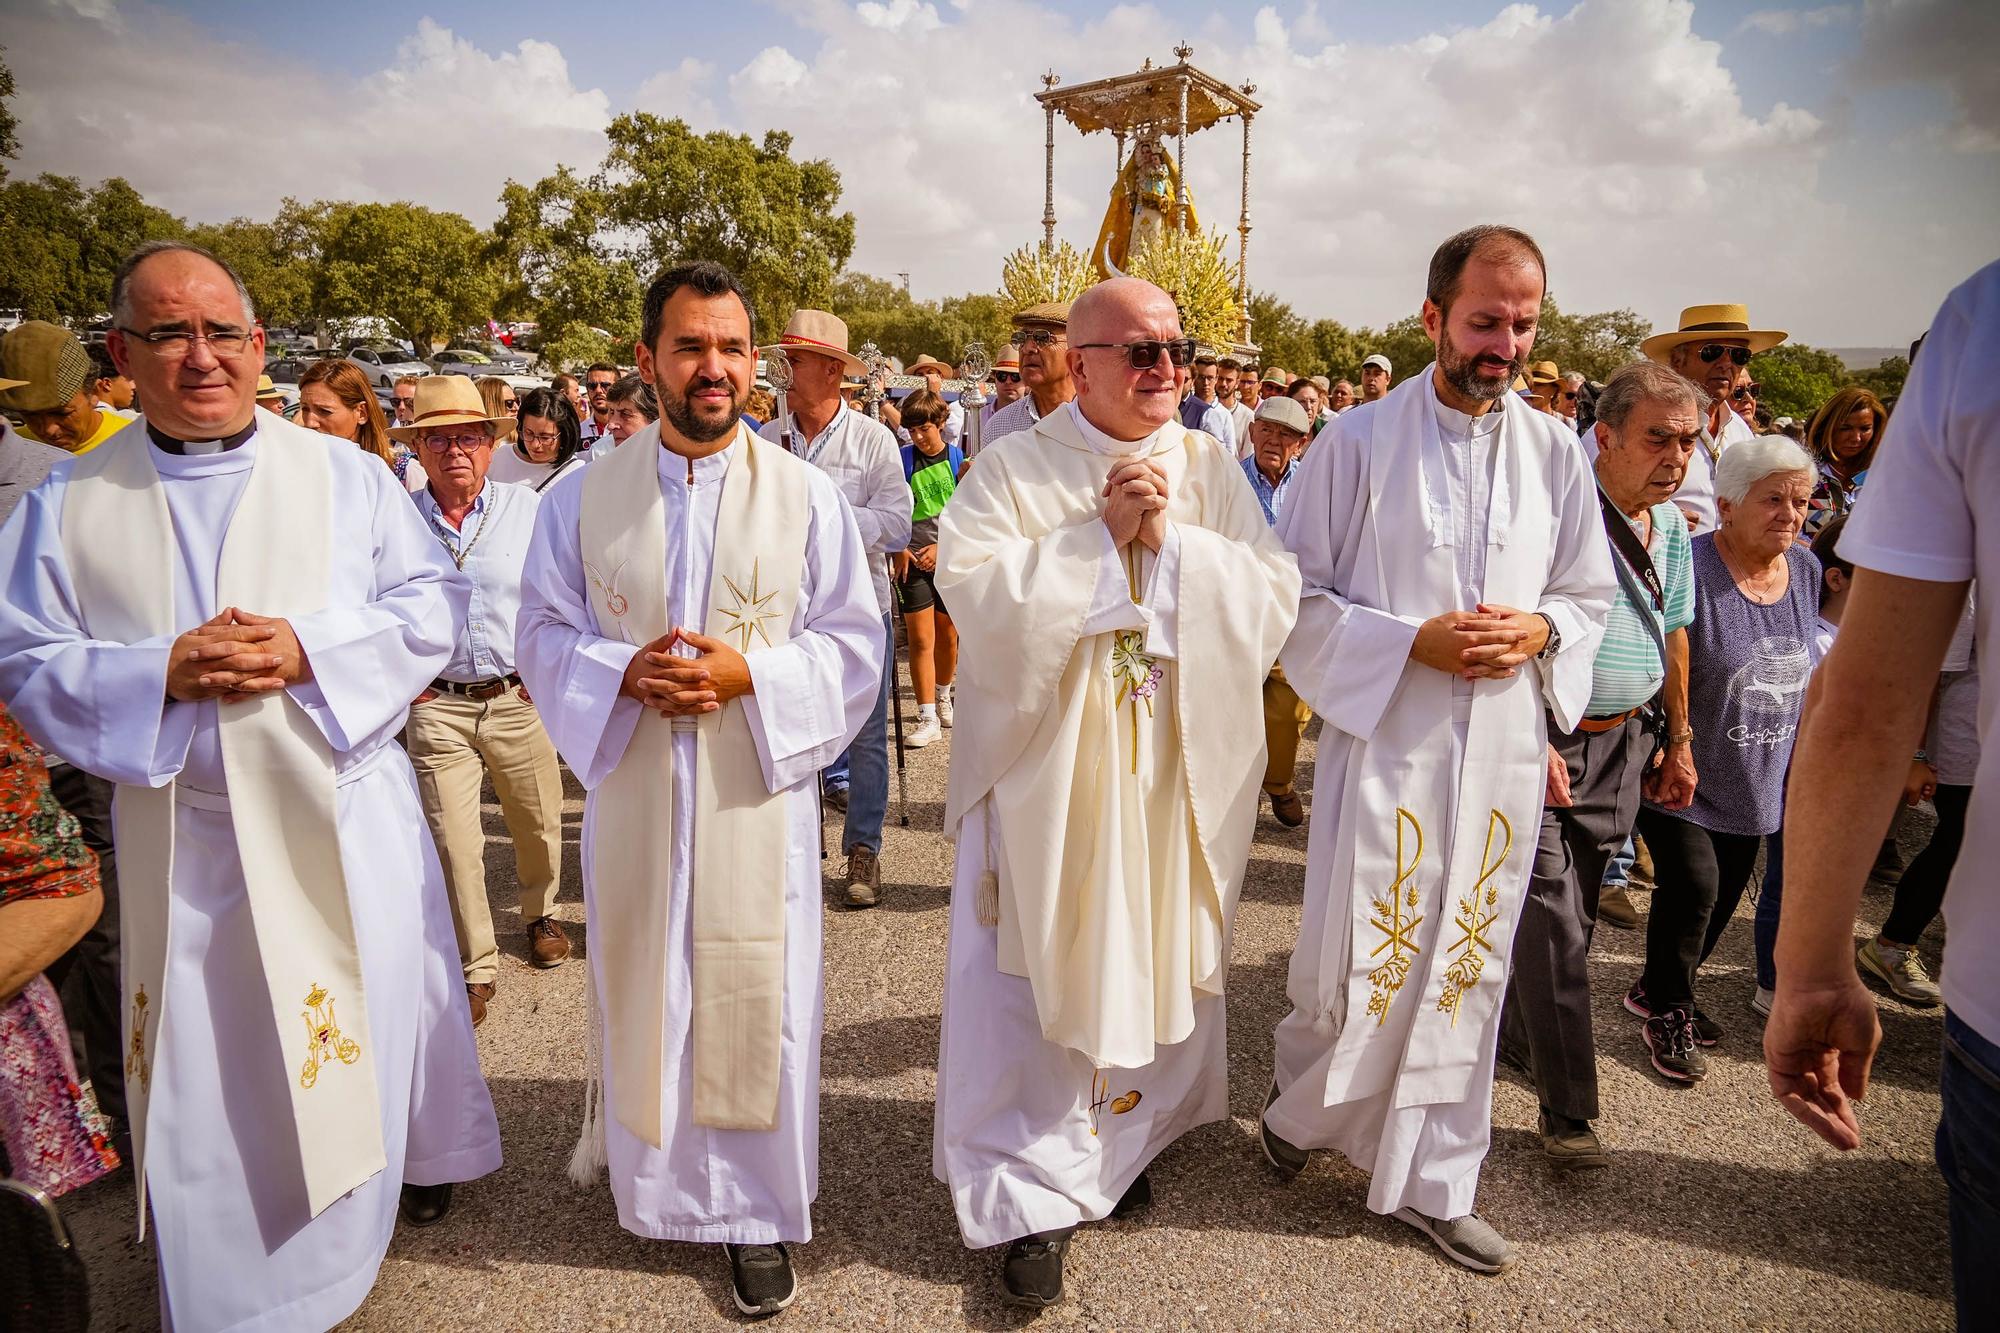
(1931, 510)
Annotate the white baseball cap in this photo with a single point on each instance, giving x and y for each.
(1377, 359)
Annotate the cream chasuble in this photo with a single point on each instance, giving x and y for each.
(1124, 803)
(119, 543)
(739, 871)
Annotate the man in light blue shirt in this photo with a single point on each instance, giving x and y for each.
(476, 718)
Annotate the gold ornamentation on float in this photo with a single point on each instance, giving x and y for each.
(324, 1041)
(1473, 921)
(1398, 930)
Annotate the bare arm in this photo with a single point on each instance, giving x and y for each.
(1864, 716)
(1672, 783)
(34, 932)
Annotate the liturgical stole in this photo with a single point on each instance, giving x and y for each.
(118, 541)
(741, 835)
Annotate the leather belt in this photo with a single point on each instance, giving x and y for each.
(1594, 725)
(478, 689)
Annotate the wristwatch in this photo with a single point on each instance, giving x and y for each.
(1923, 757)
(1555, 643)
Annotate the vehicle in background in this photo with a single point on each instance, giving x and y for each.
(385, 363)
(9, 318)
(286, 367)
(473, 363)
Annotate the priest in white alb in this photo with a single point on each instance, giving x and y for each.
(700, 631)
(227, 616)
(1121, 600)
(1456, 584)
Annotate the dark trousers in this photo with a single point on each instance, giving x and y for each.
(1547, 1011)
(1700, 876)
(1920, 893)
(87, 976)
(1968, 1156)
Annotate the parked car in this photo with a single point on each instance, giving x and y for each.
(288, 366)
(385, 363)
(473, 363)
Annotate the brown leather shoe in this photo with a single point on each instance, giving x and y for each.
(548, 946)
(477, 993)
(864, 877)
(1289, 809)
(1615, 907)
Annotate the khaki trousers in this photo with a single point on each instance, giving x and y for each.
(1285, 718)
(454, 743)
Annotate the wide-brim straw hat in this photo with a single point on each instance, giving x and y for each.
(1710, 323)
(818, 331)
(446, 400)
(1009, 359)
(1544, 372)
(927, 362)
(266, 388)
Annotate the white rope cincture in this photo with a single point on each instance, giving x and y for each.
(986, 903)
(591, 1155)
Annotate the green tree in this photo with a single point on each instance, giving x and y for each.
(10, 141)
(1797, 378)
(556, 260)
(1282, 334)
(1594, 345)
(432, 273)
(1337, 350)
(682, 195)
(42, 238)
(1404, 342)
(1885, 381)
(280, 280)
(117, 220)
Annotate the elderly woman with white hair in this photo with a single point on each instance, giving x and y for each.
(1749, 657)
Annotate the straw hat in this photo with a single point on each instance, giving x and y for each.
(1009, 359)
(818, 331)
(267, 389)
(1277, 377)
(1706, 323)
(1544, 372)
(928, 362)
(446, 400)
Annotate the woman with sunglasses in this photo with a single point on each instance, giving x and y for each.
(1842, 437)
(547, 443)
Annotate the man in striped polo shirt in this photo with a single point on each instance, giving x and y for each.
(1648, 425)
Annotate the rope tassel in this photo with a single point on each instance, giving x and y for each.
(591, 1155)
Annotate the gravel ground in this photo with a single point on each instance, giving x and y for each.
(1718, 1212)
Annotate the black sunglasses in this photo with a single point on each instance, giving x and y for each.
(1746, 391)
(1144, 355)
(1716, 351)
(1005, 377)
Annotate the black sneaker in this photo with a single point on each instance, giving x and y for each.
(1670, 1037)
(761, 1280)
(1031, 1272)
(1636, 1003)
(1707, 1032)
(1288, 1160)
(1136, 1199)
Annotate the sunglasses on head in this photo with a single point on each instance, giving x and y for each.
(1713, 352)
(1006, 377)
(1145, 355)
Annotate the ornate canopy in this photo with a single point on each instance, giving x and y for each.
(1149, 98)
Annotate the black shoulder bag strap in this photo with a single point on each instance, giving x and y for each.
(1642, 584)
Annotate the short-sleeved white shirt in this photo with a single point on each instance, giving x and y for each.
(1931, 510)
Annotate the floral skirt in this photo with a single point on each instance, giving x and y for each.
(53, 1136)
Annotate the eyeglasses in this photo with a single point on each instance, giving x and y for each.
(1042, 338)
(443, 444)
(1005, 377)
(1144, 355)
(541, 437)
(511, 404)
(176, 343)
(1712, 352)
(1744, 392)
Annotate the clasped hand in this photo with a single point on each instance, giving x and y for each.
(1136, 495)
(236, 656)
(686, 686)
(1486, 643)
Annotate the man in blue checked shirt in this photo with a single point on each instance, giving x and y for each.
(1277, 437)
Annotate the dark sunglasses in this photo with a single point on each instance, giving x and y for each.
(1744, 391)
(1712, 352)
(1145, 355)
(1040, 338)
(1005, 377)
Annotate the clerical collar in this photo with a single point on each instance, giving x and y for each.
(169, 444)
(1463, 425)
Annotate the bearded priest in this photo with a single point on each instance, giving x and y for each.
(1457, 580)
(1121, 600)
(700, 631)
(227, 616)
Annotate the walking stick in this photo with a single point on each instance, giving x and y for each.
(896, 696)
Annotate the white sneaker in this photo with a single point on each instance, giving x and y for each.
(927, 731)
(1761, 1001)
(944, 706)
(1901, 971)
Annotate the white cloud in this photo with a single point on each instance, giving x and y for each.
(1609, 128)
(1786, 22)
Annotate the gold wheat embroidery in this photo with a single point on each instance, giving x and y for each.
(1474, 920)
(1100, 1097)
(136, 1064)
(1398, 930)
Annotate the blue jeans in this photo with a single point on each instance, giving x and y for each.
(1968, 1157)
(863, 768)
(1619, 871)
(1769, 899)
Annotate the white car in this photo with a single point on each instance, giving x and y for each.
(385, 363)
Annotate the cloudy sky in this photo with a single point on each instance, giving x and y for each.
(1837, 166)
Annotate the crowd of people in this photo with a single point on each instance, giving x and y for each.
(1559, 634)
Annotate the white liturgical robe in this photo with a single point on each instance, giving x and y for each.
(239, 1247)
(1428, 786)
(812, 692)
(1104, 807)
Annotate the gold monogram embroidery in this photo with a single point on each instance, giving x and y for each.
(1100, 1097)
(752, 609)
(1473, 922)
(614, 601)
(137, 1065)
(324, 1042)
(1398, 930)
